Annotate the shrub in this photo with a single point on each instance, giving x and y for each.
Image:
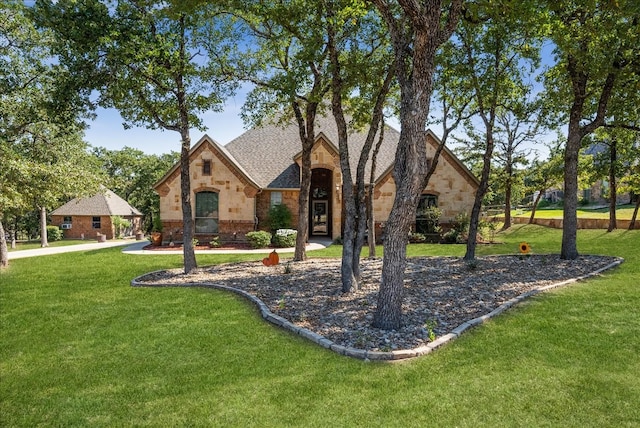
(120, 225)
(544, 203)
(215, 242)
(451, 236)
(461, 224)
(279, 217)
(285, 238)
(54, 233)
(416, 238)
(258, 239)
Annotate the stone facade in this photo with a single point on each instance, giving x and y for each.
(453, 186)
(244, 205)
(236, 195)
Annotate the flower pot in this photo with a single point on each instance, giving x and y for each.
(156, 238)
(139, 236)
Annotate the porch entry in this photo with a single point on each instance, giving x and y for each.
(320, 203)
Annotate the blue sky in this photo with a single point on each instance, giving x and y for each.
(107, 130)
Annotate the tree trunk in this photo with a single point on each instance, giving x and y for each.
(306, 130)
(477, 203)
(535, 206)
(613, 191)
(348, 267)
(632, 223)
(371, 220)
(4, 252)
(187, 211)
(415, 50)
(569, 250)
(507, 198)
(44, 239)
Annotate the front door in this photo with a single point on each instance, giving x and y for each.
(320, 219)
(320, 202)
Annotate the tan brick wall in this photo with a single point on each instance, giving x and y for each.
(289, 198)
(325, 156)
(240, 203)
(453, 187)
(236, 196)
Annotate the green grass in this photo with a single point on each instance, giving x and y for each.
(623, 212)
(80, 347)
(30, 245)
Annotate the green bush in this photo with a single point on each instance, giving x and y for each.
(416, 238)
(54, 233)
(258, 239)
(285, 238)
(279, 217)
(451, 237)
(544, 203)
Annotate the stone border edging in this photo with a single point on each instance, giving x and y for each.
(364, 354)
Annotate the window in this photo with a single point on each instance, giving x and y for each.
(206, 167)
(67, 219)
(276, 199)
(427, 214)
(206, 212)
(95, 222)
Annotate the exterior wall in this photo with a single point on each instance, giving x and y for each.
(82, 226)
(263, 204)
(450, 183)
(236, 197)
(325, 156)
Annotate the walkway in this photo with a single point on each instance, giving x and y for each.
(136, 247)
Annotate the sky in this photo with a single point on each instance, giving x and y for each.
(107, 130)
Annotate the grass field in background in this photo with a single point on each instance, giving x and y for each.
(80, 347)
(623, 212)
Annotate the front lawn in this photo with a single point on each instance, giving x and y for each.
(31, 245)
(80, 347)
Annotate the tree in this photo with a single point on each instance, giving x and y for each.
(146, 60)
(286, 60)
(43, 156)
(543, 175)
(596, 45)
(517, 126)
(355, 43)
(132, 174)
(616, 157)
(497, 53)
(631, 183)
(417, 30)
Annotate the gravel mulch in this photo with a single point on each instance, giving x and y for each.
(441, 293)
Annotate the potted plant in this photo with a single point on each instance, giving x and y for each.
(156, 231)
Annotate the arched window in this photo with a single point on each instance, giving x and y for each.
(206, 212)
(427, 214)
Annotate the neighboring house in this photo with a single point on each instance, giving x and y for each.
(82, 218)
(233, 187)
(598, 192)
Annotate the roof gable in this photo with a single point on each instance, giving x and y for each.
(219, 151)
(446, 153)
(269, 153)
(105, 203)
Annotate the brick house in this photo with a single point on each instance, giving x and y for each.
(82, 218)
(234, 186)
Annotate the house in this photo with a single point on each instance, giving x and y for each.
(87, 217)
(234, 186)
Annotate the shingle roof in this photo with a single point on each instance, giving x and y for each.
(103, 203)
(267, 152)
